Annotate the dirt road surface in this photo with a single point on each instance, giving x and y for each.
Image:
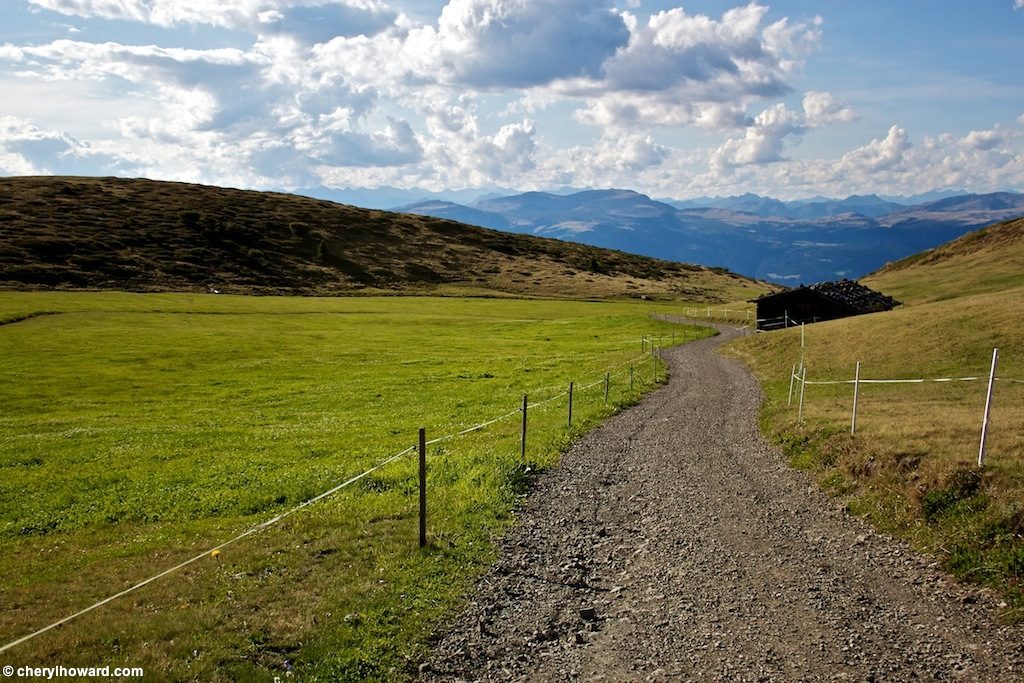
(674, 544)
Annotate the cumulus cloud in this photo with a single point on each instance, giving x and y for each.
(26, 149)
(497, 44)
(623, 153)
(765, 137)
(354, 92)
(886, 154)
(982, 161)
(821, 108)
(310, 20)
(763, 140)
(205, 89)
(983, 139)
(394, 145)
(681, 69)
(509, 153)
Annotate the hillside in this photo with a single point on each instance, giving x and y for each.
(983, 261)
(143, 235)
(912, 465)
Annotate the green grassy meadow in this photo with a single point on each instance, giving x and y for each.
(137, 430)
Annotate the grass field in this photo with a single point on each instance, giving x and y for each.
(912, 465)
(138, 430)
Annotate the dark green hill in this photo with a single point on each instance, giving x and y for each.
(144, 235)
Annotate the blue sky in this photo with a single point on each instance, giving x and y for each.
(673, 99)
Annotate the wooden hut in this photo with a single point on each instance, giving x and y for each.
(823, 301)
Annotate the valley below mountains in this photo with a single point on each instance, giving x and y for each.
(784, 242)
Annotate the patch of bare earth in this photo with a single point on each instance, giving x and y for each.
(673, 543)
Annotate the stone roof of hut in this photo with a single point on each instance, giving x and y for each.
(855, 295)
(848, 293)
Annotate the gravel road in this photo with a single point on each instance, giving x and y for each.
(673, 543)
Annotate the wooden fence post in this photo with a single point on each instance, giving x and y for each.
(525, 404)
(570, 404)
(423, 487)
(607, 383)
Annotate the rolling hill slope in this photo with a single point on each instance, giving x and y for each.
(912, 465)
(143, 235)
(984, 261)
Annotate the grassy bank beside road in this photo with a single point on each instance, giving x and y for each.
(137, 430)
(912, 465)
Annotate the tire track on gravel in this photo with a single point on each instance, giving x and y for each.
(672, 543)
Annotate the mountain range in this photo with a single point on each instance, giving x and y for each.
(786, 242)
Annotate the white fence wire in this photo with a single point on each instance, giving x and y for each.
(798, 377)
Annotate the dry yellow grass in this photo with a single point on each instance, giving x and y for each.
(912, 465)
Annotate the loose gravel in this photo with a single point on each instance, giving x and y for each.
(673, 543)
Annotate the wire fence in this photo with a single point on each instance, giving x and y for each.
(651, 347)
(798, 381)
(712, 313)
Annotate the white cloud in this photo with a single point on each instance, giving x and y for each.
(821, 108)
(763, 140)
(509, 153)
(983, 139)
(26, 149)
(682, 69)
(765, 137)
(394, 145)
(354, 92)
(887, 154)
(497, 44)
(1018, 4)
(309, 20)
(980, 161)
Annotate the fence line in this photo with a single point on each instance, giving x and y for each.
(799, 374)
(719, 313)
(890, 381)
(306, 503)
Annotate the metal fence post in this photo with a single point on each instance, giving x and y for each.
(792, 377)
(803, 384)
(856, 394)
(988, 406)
